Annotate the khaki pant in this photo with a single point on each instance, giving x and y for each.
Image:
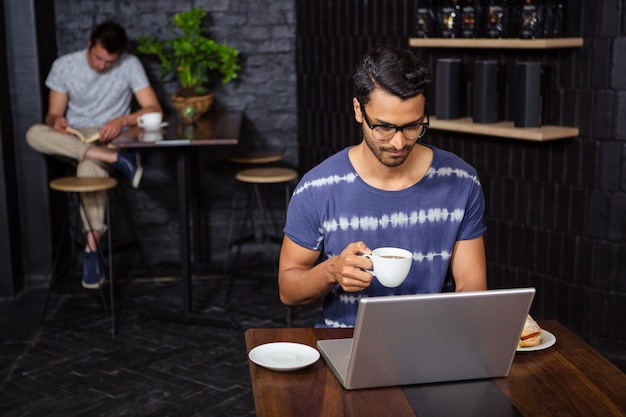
(44, 139)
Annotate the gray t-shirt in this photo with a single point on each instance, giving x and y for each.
(96, 98)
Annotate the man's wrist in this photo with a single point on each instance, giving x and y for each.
(330, 275)
(126, 121)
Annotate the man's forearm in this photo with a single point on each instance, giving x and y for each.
(302, 287)
(131, 119)
(50, 119)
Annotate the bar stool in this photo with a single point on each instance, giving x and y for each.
(257, 177)
(69, 167)
(73, 186)
(246, 157)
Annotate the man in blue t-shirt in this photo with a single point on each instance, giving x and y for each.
(91, 91)
(389, 190)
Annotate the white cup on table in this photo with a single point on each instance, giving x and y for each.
(150, 121)
(391, 265)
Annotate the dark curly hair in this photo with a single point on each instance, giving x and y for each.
(398, 72)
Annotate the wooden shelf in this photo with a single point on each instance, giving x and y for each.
(504, 129)
(512, 43)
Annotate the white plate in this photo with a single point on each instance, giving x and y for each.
(153, 129)
(547, 340)
(284, 356)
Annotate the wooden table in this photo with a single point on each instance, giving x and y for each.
(213, 129)
(568, 379)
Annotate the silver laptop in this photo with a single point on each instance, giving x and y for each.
(414, 339)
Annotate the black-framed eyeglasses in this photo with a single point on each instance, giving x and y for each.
(410, 131)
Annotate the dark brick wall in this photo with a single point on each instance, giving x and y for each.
(332, 38)
(264, 32)
(555, 211)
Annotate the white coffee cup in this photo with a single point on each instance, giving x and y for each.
(150, 121)
(391, 265)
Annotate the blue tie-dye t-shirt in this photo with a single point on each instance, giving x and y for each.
(332, 207)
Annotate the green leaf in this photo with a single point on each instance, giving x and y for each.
(191, 55)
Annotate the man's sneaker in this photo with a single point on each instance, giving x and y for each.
(130, 165)
(93, 273)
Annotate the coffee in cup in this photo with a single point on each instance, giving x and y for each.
(391, 265)
(150, 121)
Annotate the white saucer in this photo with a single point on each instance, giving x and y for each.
(154, 129)
(151, 136)
(547, 340)
(284, 356)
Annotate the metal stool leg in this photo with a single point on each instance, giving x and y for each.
(264, 214)
(80, 199)
(239, 241)
(79, 190)
(110, 272)
(228, 245)
(231, 226)
(121, 198)
(248, 217)
(258, 177)
(78, 205)
(110, 265)
(55, 262)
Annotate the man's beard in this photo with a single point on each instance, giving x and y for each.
(379, 153)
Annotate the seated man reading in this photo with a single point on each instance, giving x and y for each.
(91, 91)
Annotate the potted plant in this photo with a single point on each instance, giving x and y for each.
(193, 58)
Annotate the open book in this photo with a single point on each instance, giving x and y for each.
(82, 137)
